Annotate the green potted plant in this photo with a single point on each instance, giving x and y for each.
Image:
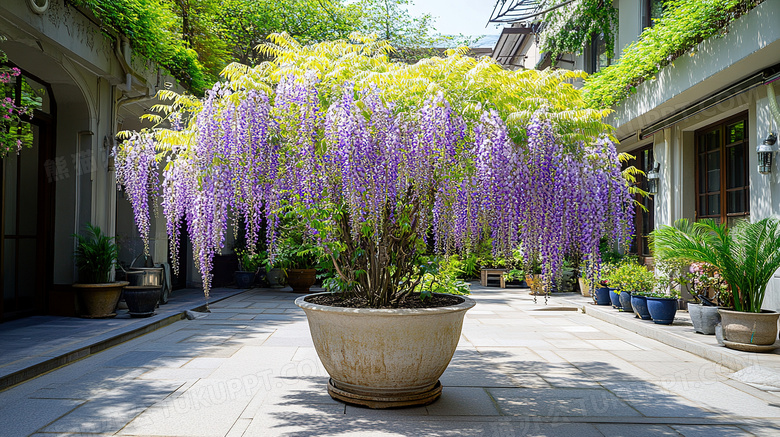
(662, 301)
(248, 265)
(708, 289)
(630, 278)
(298, 258)
(746, 255)
(95, 257)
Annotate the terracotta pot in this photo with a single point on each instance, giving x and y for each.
(384, 358)
(301, 279)
(749, 331)
(98, 301)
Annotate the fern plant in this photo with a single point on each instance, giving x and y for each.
(95, 256)
(747, 256)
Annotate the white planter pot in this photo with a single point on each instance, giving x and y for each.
(383, 358)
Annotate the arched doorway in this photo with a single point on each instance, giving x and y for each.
(26, 204)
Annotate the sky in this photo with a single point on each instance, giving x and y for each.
(458, 16)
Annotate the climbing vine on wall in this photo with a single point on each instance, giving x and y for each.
(149, 25)
(685, 24)
(569, 28)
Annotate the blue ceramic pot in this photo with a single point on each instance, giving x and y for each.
(602, 296)
(615, 298)
(639, 304)
(625, 301)
(662, 309)
(244, 279)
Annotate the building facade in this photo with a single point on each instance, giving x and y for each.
(89, 85)
(699, 122)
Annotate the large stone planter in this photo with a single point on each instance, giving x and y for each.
(141, 299)
(384, 358)
(752, 332)
(704, 318)
(98, 301)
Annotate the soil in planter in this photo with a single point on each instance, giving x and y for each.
(414, 301)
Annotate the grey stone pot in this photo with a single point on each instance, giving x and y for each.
(704, 318)
(625, 301)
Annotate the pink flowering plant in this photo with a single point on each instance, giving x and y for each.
(14, 133)
(707, 284)
(382, 160)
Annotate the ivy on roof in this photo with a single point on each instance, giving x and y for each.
(685, 24)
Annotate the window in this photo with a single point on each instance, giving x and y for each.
(644, 221)
(596, 55)
(722, 176)
(651, 11)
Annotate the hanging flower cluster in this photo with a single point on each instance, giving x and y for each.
(374, 178)
(136, 170)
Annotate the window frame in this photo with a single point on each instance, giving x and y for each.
(721, 126)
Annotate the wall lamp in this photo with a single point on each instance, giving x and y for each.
(765, 152)
(652, 179)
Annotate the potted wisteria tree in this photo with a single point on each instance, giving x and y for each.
(381, 160)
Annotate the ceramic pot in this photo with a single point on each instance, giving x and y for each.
(704, 318)
(749, 331)
(275, 278)
(625, 301)
(384, 358)
(662, 309)
(141, 299)
(602, 296)
(301, 279)
(244, 279)
(98, 301)
(615, 298)
(639, 304)
(584, 287)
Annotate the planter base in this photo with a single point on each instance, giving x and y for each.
(747, 347)
(102, 316)
(379, 401)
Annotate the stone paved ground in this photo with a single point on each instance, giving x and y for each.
(249, 368)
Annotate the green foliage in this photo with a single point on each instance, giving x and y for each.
(467, 83)
(151, 25)
(439, 276)
(570, 28)
(685, 23)
(248, 261)
(630, 276)
(672, 274)
(747, 256)
(247, 23)
(95, 256)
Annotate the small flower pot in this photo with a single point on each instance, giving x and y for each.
(625, 301)
(275, 278)
(704, 317)
(639, 304)
(244, 279)
(662, 309)
(602, 296)
(615, 299)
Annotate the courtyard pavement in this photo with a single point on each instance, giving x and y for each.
(522, 368)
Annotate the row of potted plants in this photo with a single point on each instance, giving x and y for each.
(725, 269)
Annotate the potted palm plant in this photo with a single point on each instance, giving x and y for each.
(95, 257)
(746, 256)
